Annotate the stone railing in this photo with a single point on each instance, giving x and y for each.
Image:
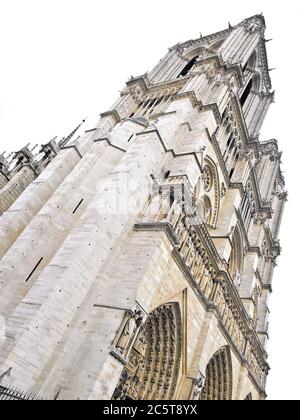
(171, 208)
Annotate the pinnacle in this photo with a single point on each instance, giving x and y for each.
(258, 16)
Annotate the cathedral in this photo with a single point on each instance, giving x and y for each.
(136, 260)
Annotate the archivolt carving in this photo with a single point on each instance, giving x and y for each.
(218, 383)
(154, 361)
(207, 178)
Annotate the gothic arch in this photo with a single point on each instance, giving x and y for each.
(217, 45)
(205, 210)
(203, 50)
(194, 52)
(153, 366)
(257, 82)
(249, 397)
(252, 61)
(218, 382)
(236, 260)
(188, 66)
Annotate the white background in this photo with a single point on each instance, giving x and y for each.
(63, 60)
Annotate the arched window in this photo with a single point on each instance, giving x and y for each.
(246, 93)
(205, 210)
(251, 63)
(236, 260)
(188, 67)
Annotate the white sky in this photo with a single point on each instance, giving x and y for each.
(63, 60)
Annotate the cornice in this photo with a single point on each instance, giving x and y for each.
(146, 87)
(112, 113)
(154, 129)
(203, 40)
(108, 141)
(165, 227)
(73, 146)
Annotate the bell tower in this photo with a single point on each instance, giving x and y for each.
(138, 263)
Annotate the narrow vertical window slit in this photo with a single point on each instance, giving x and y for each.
(78, 205)
(35, 268)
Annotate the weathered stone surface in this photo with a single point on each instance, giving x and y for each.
(137, 261)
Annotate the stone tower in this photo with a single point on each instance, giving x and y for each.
(137, 260)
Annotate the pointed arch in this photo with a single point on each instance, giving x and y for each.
(257, 82)
(188, 67)
(249, 397)
(246, 92)
(252, 62)
(218, 382)
(154, 361)
(217, 45)
(236, 260)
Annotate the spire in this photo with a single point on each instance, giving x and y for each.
(66, 140)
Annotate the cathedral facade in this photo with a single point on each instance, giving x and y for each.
(136, 261)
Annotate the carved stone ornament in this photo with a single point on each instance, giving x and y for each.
(223, 190)
(260, 218)
(153, 365)
(198, 385)
(250, 157)
(207, 178)
(127, 333)
(270, 148)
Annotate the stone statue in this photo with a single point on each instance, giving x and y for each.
(130, 327)
(238, 279)
(198, 386)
